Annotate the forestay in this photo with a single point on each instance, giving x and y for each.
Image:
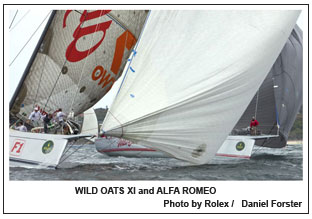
(80, 56)
(193, 75)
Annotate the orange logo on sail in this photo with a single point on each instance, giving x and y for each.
(103, 77)
(125, 40)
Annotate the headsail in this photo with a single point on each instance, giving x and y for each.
(281, 93)
(90, 123)
(288, 86)
(193, 75)
(81, 55)
(279, 98)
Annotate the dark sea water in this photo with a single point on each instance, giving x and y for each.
(87, 164)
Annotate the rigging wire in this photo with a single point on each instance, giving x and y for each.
(81, 74)
(134, 49)
(20, 20)
(121, 125)
(125, 74)
(58, 77)
(123, 26)
(29, 39)
(13, 19)
(69, 147)
(35, 100)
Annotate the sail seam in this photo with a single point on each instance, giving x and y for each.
(85, 61)
(35, 100)
(30, 63)
(61, 70)
(121, 126)
(136, 46)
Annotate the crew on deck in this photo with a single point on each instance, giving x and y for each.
(35, 116)
(49, 122)
(46, 121)
(20, 127)
(60, 116)
(253, 126)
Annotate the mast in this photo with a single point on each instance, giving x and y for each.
(19, 86)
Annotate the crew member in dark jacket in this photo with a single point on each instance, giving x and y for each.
(46, 121)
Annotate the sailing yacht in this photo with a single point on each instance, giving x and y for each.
(193, 75)
(75, 63)
(275, 105)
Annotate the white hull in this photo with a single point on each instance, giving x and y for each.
(37, 149)
(233, 146)
(120, 147)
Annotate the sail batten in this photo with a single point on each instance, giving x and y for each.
(195, 72)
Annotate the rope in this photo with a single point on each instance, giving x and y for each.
(35, 100)
(118, 122)
(60, 73)
(96, 28)
(20, 20)
(134, 52)
(68, 148)
(13, 19)
(29, 39)
(260, 148)
(65, 158)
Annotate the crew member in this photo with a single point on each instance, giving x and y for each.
(46, 120)
(35, 116)
(253, 126)
(20, 127)
(60, 116)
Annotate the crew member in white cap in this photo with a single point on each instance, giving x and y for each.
(35, 116)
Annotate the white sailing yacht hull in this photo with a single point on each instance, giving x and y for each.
(33, 149)
(233, 146)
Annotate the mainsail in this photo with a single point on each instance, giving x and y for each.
(280, 96)
(79, 57)
(192, 77)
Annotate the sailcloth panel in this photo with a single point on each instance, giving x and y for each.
(193, 75)
(82, 54)
(287, 77)
(263, 107)
(280, 95)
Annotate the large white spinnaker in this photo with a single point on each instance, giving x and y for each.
(193, 75)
